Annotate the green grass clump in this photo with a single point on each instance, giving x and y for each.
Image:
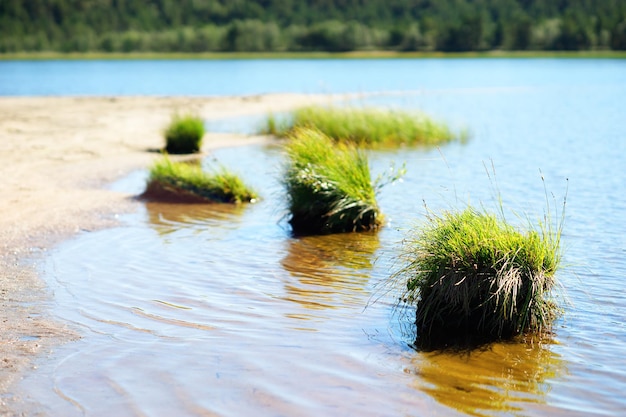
(328, 186)
(474, 278)
(366, 127)
(184, 134)
(185, 182)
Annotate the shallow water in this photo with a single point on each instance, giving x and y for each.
(213, 310)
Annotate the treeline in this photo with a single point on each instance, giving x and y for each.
(310, 25)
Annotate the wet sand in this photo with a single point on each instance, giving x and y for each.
(56, 156)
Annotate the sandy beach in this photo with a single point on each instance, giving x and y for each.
(56, 156)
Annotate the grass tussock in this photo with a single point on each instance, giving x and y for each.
(366, 127)
(184, 134)
(183, 182)
(329, 186)
(474, 279)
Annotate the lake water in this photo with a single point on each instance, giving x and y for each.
(213, 310)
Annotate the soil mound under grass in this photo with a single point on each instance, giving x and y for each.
(184, 134)
(475, 279)
(328, 185)
(185, 182)
(367, 127)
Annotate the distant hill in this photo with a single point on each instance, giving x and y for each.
(310, 25)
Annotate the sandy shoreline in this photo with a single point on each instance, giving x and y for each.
(56, 154)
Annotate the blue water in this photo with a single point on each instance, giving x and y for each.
(220, 311)
(247, 77)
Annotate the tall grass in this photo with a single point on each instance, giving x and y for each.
(184, 134)
(475, 278)
(366, 127)
(328, 185)
(184, 182)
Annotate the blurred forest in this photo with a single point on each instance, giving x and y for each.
(310, 25)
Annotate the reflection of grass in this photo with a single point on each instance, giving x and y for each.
(211, 218)
(475, 278)
(491, 381)
(367, 127)
(329, 186)
(183, 182)
(330, 270)
(184, 134)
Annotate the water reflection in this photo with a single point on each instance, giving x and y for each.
(167, 218)
(329, 267)
(498, 378)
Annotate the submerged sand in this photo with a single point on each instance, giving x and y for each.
(56, 156)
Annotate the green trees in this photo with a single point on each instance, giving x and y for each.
(310, 25)
(618, 38)
(252, 36)
(337, 36)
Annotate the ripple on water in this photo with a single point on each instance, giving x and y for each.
(218, 310)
